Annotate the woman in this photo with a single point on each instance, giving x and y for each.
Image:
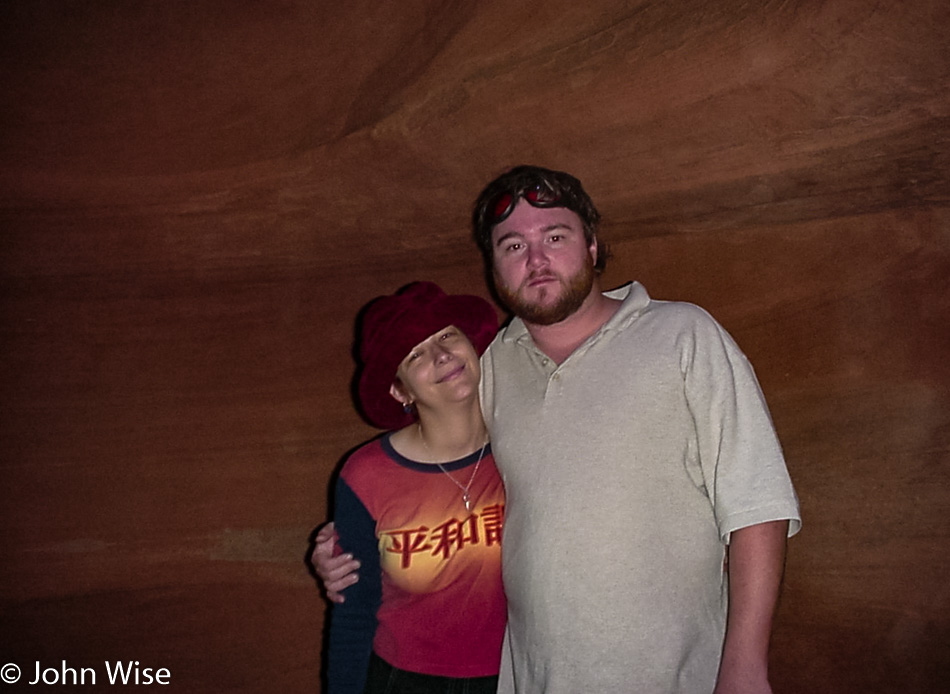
(421, 507)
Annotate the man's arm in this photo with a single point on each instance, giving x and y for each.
(336, 572)
(756, 564)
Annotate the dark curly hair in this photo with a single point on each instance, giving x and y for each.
(521, 178)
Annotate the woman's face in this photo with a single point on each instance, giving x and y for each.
(442, 369)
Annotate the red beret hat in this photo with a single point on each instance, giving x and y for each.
(392, 325)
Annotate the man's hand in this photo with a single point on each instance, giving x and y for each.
(737, 682)
(336, 572)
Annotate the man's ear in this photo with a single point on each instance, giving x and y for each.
(592, 249)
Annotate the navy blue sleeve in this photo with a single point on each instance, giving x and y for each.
(353, 624)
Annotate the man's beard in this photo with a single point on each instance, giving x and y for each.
(573, 293)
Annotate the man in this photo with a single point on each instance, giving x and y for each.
(635, 446)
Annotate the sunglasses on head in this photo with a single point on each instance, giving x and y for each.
(537, 195)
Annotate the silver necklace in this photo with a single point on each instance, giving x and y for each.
(465, 495)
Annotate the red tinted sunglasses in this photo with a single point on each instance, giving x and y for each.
(538, 195)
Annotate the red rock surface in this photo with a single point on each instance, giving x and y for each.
(198, 197)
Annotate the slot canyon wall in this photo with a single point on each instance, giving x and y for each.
(197, 198)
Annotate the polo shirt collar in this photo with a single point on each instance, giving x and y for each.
(635, 300)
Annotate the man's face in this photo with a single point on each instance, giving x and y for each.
(542, 265)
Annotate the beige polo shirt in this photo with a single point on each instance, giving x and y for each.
(626, 467)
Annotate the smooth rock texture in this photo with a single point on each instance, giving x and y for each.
(197, 198)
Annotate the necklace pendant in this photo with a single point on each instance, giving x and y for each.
(465, 495)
